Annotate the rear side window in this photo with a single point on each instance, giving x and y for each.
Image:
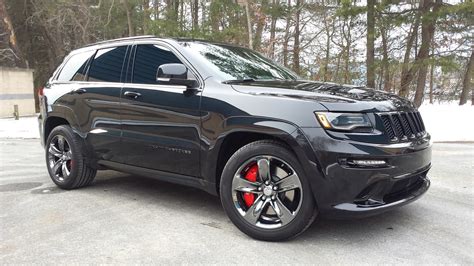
(107, 64)
(148, 58)
(75, 67)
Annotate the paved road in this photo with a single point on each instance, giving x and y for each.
(127, 219)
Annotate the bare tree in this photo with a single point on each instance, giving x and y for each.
(11, 52)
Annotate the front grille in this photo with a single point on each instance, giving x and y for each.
(402, 126)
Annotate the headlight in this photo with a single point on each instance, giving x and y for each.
(343, 121)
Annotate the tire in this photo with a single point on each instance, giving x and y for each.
(268, 225)
(77, 172)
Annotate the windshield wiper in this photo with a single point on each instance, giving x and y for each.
(234, 81)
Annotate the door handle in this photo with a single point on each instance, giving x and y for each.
(80, 91)
(132, 94)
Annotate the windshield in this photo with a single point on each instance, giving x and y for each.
(237, 63)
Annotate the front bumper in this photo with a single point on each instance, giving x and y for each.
(343, 190)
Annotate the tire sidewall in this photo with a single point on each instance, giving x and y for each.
(306, 212)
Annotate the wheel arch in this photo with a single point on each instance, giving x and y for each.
(59, 115)
(242, 131)
(52, 122)
(55, 119)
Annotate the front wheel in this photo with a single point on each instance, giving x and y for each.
(265, 193)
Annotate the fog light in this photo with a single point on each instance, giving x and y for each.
(366, 163)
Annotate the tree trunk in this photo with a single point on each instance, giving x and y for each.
(370, 60)
(467, 81)
(195, 15)
(296, 43)
(407, 77)
(271, 47)
(327, 25)
(214, 18)
(385, 62)
(427, 33)
(420, 86)
(156, 9)
(326, 58)
(286, 38)
(431, 82)
(172, 11)
(176, 4)
(131, 29)
(249, 23)
(261, 18)
(336, 78)
(379, 78)
(182, 19)
(346, 64)
(146, 16)
(347, 50)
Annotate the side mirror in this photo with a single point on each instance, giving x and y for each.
(174, 74)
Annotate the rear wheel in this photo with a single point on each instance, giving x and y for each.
(265, 193)
(66, 164)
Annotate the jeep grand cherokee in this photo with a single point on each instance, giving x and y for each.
(276, 149)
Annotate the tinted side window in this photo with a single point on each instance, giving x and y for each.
(148, 58)
(107, 64)
(75, 67)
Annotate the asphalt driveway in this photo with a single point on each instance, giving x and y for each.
(127, 219)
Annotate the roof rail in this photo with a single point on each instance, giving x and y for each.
(122, 39)
(191, 39)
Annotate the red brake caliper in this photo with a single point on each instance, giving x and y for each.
(250, 175)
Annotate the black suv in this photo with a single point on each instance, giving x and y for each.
(278, 150)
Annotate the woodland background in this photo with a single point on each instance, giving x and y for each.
(422, 50)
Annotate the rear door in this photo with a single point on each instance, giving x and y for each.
(95, 100)
(160, 123)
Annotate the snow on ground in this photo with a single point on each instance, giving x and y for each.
(24, 128)
(449, 121)
(445, 122)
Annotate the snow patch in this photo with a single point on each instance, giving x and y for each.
(24, 128)
(449, 121)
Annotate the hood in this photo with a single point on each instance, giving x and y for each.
(335, 97)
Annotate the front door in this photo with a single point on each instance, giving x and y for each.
(160, 123)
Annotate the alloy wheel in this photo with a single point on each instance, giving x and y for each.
(267, 192)
(60, 158)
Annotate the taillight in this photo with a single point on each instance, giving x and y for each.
(40, 91)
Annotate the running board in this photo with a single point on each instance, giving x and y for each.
(161, 175)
